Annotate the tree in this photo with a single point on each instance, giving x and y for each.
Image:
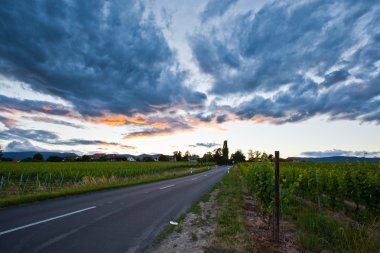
(86, 158)
(38, 157)
(264, 157)
(163, 158)
(218, 156)
(251, 155)
(225, 153)
(54, 159)
(207, 157)
(257, 155)
(177, 155)
(186, 156)
(238, 157)
(148, 159)
(1, 152)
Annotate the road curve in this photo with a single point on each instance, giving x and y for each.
(120, 220)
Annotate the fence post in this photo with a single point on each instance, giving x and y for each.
(276, 209)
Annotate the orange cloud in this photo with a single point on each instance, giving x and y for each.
(113, 144)
(159, 125)
(154, 133)
(127, 147)
(47, 108)
(119, 120)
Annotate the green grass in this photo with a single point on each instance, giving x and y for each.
(317, 231)
(95, 186)
(231, 234)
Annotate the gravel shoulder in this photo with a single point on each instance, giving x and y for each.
(195, 232)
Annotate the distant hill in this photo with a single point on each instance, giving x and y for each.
(338, 159)
(30, 154)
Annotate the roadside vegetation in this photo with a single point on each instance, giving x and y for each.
(28, 182)
(335, 206)
(231, 234)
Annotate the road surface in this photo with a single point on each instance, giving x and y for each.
(120, 220)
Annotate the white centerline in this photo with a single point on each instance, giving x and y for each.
(194, 178)
(43, 221)
(167, 186)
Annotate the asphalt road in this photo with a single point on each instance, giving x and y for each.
(121, 220)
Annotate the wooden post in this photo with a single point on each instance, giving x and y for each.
(276, 209)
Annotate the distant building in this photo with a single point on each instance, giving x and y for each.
(131, 159)
(172, 158)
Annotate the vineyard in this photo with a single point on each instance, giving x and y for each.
(353, 188)
(18, 179)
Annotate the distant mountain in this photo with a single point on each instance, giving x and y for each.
(142, 156)
(338, 159)
(30, 154)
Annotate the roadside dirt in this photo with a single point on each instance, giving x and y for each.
(194, 232)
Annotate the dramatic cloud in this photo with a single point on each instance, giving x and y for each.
(18, 146)
(12, 104)
(99, 56)
(205, 145)
(338, 152)
(297, 60)
(161, 129)
(216, 8)
(24, 135)
(36, 135)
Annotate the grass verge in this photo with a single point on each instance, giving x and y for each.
(16, 200)
(231, 234)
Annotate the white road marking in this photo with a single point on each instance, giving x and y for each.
(43, 221)
(167, 186)
(194, 178)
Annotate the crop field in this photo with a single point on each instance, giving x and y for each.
(353, 188)
(335, 207)
(25, 178)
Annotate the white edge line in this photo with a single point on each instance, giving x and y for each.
(43, 221)
(167, 186)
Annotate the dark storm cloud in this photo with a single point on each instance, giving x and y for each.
(22, 136)
(309, 58)
(100, 56)
(338, 152)
(7, 103)
(17, 146)
(216, 8)
(36, 135)
(205, 145)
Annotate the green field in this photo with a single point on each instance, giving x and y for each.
(29, 181)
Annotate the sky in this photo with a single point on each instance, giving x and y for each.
(156, 76)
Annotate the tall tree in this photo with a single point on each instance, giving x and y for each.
(218, 156)
(187, 155)
(225, 152)
(238, 156)
(177, 155)
(251, 155)
(38, 157)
